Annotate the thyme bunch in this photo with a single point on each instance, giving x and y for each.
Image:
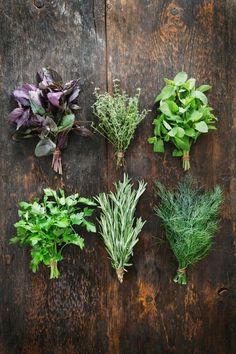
(118, 116)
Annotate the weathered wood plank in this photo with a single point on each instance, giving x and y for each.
(39, 315)
(156, 39)
(87, 311)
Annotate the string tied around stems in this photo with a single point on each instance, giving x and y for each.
(56, 161)
(120, 274)
(186, 161)
(181, 277)
(119, 159)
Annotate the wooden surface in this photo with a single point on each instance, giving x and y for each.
(86, 311)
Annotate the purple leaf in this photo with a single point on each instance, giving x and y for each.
(54, 98)
(48, 77)
(36, 96)
(15, 114)
(22, 121)
(74, 95)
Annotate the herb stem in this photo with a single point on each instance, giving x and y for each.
(186, 160)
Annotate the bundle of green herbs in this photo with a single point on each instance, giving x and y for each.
(190, 216)
(118, 226)
(48, 226)
(184, 116)
(118, 116)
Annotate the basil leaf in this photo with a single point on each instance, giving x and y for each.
(67, 122)
(201, 127)
(159, 146)
(45, 147)
(204, 88)
(180, 78)
(166, 92)
(200, 96)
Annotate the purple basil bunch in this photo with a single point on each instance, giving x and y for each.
(47, 110)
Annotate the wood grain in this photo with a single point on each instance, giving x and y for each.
(87, 311)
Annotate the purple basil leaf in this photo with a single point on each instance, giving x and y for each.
(54, 98)
(29, 87)
(74, 95)
(36, 97)
(23, 119)
(48, 77)
(49, 122)
(36, 120)
(62, 139)
(15, 114)
(74, 107)
(69, 85)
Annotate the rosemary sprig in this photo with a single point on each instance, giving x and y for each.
(118, 226)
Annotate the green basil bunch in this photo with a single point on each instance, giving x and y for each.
(184, 114)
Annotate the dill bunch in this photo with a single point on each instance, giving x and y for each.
(119, 117)
(190, 216)
(118, 226)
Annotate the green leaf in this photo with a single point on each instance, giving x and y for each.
(201, 127)
(195, 116)
(36, 109)
(164, 108)
(77, 219)
(89, 226)
(200, 96)
(212, 127)
(166, 92)
(173, 132)
(152, 140)
(166, 125)
(180, 132)
(158, 146)
(67, 122)
(78, 241)
(190, 132)
(172, 106)
(45, 147)
(169, 82)
(204, 88)
(192, 83)
(177, 153)
(182, 143)
(14, 240)
(87, 201)
(180, 78)
(63, 223)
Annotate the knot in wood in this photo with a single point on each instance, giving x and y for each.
(39, 3)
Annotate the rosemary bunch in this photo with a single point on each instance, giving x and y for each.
(118, 226)
(190, 217)
(119, 117)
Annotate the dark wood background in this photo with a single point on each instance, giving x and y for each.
(86, 311)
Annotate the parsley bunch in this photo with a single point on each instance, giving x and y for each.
(184, 116)
(48, 226)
